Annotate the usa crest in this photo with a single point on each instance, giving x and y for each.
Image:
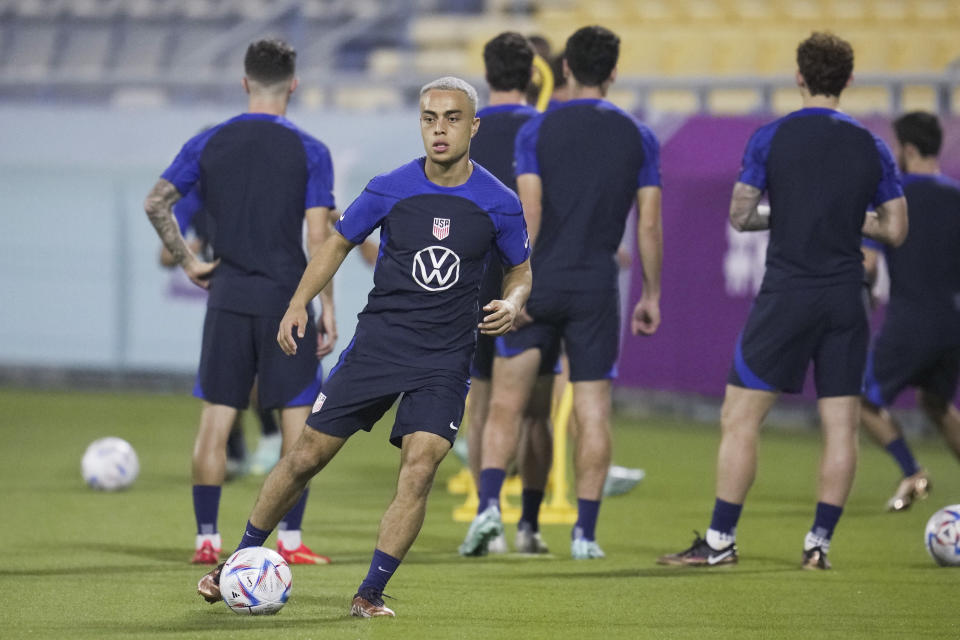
(441, 228)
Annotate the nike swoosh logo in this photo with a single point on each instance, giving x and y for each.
(382, 569)
(343, 216)
(453, 427)
(719, 557)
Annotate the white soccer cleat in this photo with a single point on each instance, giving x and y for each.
(528, 541)
(621, 480)
(266, 455)
(582, 549)
(498, 545)
(484, 528)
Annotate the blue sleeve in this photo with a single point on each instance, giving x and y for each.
(889, 187)
(649, 175)
(319, 175)
(513, 244)
(186, 208)
(525, 148)
(364, 215)
(184, 171)
(754, 168)
(870, 243)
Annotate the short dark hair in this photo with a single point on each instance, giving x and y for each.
(508, 59)
(556, 66)
(826, 63)
(922, 130)
(591, 54)
(269, 61)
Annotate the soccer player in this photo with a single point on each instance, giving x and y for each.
(508, 59)
(822, 171)
(919, 344)
(260, 177)
(193, 225)
(580, 167)
(439, 218)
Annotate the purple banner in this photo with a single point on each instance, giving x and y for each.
(710, 272)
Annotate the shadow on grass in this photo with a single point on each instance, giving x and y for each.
(87, 570)
(219, 620)
(179, 555)
(658, 572)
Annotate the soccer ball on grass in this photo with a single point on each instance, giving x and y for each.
(942, 536)
(255, 581)
(109, 464)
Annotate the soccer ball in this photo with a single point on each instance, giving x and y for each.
(255, 581)
(942, 536)
(109, 464)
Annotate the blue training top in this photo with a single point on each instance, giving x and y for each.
(434, 243)
(591, 157)
(492, 148)
(257, 174)
(822, 170)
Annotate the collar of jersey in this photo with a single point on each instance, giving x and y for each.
(501, 108)
(259, 116)
(581, 101)
(917, 177)
(422, 162)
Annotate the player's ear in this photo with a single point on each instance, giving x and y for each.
(613, 76)
(849, 81)
(566, 70)
(246, 85)
(294, 84)
(801, 82)
(475, 126)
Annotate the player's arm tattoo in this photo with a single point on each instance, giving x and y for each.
(745, 214)
(159, 208)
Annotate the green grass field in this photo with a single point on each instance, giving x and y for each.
(83, 564)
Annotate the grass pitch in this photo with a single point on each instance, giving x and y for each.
(83, 564)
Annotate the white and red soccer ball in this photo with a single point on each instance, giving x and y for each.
(255, 581)
(942, 536)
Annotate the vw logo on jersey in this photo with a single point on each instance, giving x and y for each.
(436, 268)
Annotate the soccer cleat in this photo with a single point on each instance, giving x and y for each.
(701, 554)
(912, 488)
(815, 560)
(484, 528)
(529, 541)
(498, 545)
(582, 549)
(369, 604)
(206, 554)
(209, 585)
(267, 454)
(621, 480)
(301, 555)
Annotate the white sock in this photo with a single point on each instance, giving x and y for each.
(290, 538)
(812, 541)
(719, 540)
(213, 538)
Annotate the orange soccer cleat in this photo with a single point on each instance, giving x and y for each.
(301, 555)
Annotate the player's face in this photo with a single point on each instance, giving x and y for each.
(447, 123)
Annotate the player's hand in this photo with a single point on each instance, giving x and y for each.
(646, 317)
(523, 319)
(199, 271)
(294, 317)
(501, 315)
(326, 331)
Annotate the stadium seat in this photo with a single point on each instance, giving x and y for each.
(85, 49)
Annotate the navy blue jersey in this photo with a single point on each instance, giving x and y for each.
(492, 148)
(591, 158)
(434, 244)
(925, 269)
(257, 173)
(822, 170)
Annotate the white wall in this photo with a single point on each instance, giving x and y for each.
(80, 284)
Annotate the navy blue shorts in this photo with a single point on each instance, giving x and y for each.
(788, 329)
(238, 348)
(482, 365)
(905, 357)
(586, 324)
(361, 388)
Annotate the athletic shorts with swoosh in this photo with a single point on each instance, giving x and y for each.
(361, 388)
